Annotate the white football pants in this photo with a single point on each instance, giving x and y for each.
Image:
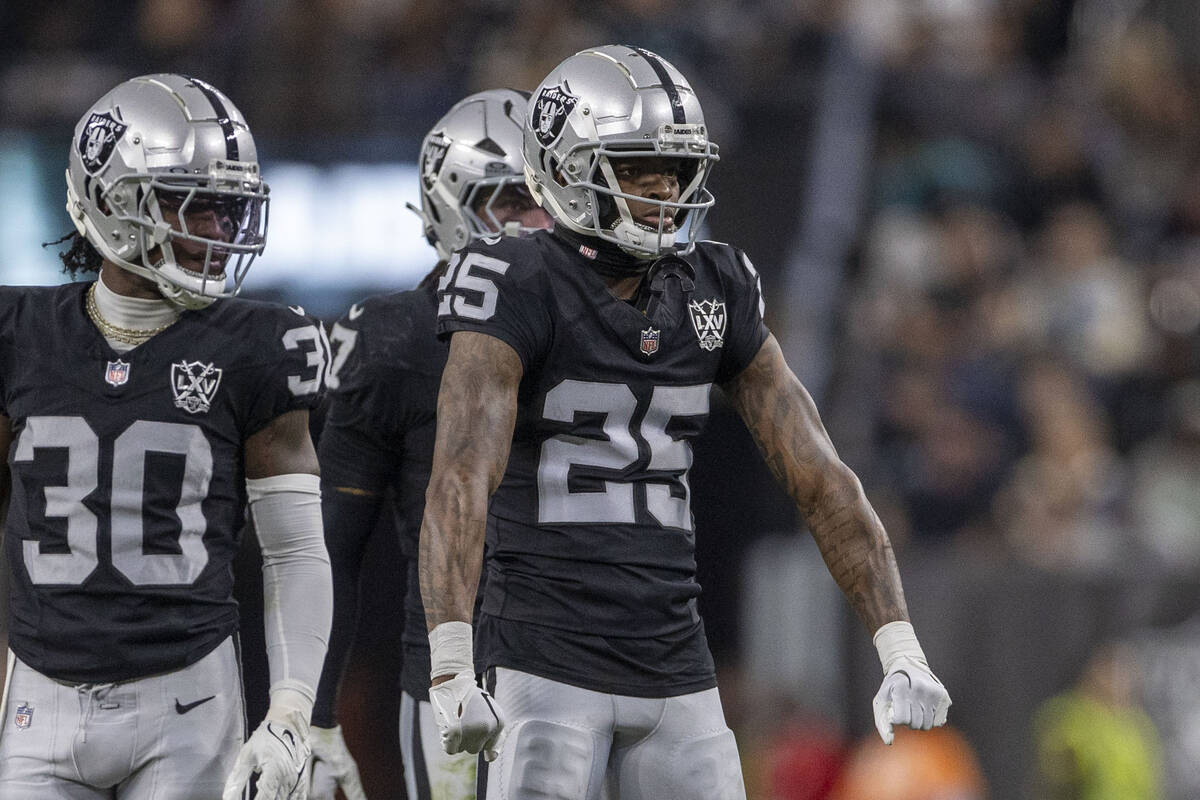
(168, 737)
(429, 773)
(567, 743)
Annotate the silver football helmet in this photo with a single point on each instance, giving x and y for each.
(161, 148)
(622, 102)
(466, 160)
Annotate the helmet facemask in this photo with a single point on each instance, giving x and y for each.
(479, 206)
(141, 205)
(611, 220)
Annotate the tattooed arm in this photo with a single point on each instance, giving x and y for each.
(784, 422)
(477, 410)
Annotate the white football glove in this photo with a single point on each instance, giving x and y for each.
(911, 694)
(467, 717)
(278, 752)
(333, 766)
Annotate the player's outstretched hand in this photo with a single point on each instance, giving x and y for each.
(911, 694)
(332, 766)
(278, 753)
(467, 717)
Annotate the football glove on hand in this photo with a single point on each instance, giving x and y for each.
(911, 694)
(278, 752)
(332, 766)
(467, 717)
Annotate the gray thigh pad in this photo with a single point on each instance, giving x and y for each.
(659, 769)
(547, 761)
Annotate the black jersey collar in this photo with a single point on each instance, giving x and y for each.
(603, 257)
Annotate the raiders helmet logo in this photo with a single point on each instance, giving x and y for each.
(432, 158)
(99, 138)
(549, 113)
(194, 385)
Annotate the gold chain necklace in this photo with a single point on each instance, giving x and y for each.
(133, 336)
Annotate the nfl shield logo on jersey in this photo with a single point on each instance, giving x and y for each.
(24, 716)
(650, 341)
(117, 373)
(194, 385)
(708, 318)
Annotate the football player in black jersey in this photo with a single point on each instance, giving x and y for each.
(580, 367)
(376, 448)
(143, 412)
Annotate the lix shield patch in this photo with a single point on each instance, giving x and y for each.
(23, 717)
(98, 140)
(194, 385)
(708, 319)
(550, 111)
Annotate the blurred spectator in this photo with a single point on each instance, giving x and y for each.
(1062, 508)
(1166, 484)
(1092, 742)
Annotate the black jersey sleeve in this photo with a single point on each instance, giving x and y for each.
(745, 329)
(350, 511)
(495, 288)
(292, 362)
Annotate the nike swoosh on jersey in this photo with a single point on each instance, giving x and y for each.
(181, 708)
(355, 311)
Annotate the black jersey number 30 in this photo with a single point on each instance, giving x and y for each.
(76, 436)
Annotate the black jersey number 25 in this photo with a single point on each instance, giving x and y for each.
(474, 294)
(670, 458)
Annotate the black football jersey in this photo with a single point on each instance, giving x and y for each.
(590, 533)
(379, 435)
(387, 370)
(128, 490)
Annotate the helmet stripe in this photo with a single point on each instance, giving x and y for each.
(231, 145)
(668, 85)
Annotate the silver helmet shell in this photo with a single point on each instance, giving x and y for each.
(172, 142)
(617, 101)
(469, 156)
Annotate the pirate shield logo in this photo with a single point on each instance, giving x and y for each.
(549, 113)
(708, 318)
(194, 385)
(98, 140)
(434, 155)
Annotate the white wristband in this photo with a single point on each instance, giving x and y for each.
(450, 650)
(897, 640)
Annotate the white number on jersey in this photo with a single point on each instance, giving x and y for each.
(458, 273)
(317, 357)
(126, 503)
(558, 504)
(344, 338)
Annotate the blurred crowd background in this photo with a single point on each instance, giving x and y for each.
(978, 226)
